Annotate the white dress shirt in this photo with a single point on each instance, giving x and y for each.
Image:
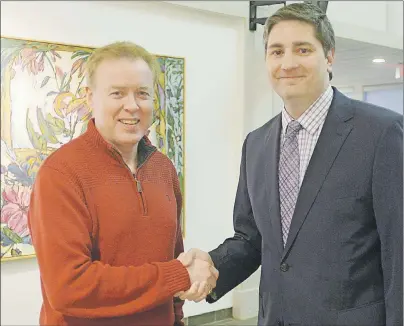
(312, 121)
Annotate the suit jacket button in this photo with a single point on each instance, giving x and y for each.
(284, 267)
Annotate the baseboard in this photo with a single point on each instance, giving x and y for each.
(245, 303)
(209, 317)
(245, 306)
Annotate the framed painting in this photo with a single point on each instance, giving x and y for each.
(43, 106)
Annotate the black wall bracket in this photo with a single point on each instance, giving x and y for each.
(253, 12)
(255, 4)
(322, 4)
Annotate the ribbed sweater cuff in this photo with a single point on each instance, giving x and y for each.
(176, 276)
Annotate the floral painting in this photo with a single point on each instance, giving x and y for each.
(43, 106)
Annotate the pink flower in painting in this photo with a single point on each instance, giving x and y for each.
(31, 59)
(15, 209)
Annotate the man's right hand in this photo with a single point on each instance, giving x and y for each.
(202, 273)
(194, 253)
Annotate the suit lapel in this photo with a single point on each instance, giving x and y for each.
(337, 127)
(271, 174)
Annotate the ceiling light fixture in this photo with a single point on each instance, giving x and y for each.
(379, 60)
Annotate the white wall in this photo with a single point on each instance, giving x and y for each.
(233, 8)
(215, 97)
(377, 22)
(261, 103)
(395, 17)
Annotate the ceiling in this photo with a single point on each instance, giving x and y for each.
(353, 63)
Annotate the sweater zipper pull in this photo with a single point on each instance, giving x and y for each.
(140, 191)
(139, 186)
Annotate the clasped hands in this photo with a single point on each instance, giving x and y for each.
(202, 273)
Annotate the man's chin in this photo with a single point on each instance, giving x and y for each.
(291, 93)
(130, 140)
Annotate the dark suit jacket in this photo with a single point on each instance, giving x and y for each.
(343, 260)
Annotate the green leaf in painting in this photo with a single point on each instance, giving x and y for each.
(63, 81)
(11, 235)
(45, 81)
(83, 129)
(57, 124)
(66, 86)
(36, 139)
(80, 53)
(12, 43)
(9, 53)
(47, 131)
(181, 181)
(170, 142)
(15, 252)
(52, 93)
(76, 65)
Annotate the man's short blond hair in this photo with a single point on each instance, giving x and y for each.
(119, 50)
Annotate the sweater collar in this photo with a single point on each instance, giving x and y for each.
(93, 136)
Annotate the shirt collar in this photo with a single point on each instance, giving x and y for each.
(314, 116)
(93, 136)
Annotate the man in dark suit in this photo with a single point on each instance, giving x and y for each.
(319, 203)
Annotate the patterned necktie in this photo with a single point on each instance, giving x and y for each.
(289, 164)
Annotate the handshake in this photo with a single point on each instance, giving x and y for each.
(202, 273)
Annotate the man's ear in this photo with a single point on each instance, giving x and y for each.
(330, 59)
(89, 97)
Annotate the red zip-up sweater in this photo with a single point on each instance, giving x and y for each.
(106, 240)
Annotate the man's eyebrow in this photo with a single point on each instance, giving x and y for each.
(145, 88)
(275, 45)
(303, 44)
(126, 87)
(280, 45)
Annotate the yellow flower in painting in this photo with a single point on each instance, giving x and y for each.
(34, 163)
(67, 103)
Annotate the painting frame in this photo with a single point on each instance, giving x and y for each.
(163, 138)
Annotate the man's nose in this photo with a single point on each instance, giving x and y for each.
(131, 104)
(289, 62)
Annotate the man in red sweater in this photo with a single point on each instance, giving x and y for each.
(104, 213)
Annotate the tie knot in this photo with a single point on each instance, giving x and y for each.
(293, 128)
